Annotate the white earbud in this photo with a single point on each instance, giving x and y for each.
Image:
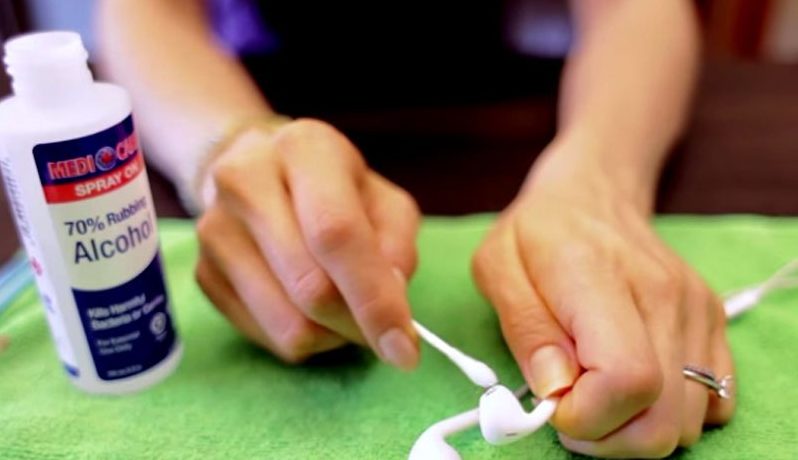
(432, 445)
(502, 418)
(476, 371)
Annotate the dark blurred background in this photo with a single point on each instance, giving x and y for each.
(738, 155)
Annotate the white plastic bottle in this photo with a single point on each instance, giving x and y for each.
(76, 180)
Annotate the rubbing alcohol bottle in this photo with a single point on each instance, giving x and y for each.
(77, 183)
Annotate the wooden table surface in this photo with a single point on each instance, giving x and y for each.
(740, 154)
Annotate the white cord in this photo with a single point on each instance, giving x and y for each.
(432, 445)
(738, 302)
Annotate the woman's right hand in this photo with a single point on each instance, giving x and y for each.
(301, 243)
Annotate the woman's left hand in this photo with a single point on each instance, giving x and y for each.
(597, 309)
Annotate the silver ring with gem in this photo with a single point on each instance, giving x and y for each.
(706, 377)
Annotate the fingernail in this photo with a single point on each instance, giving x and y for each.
(397, 349)
(549, 371)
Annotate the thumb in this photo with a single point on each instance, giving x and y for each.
(541, 347)
(550, 370)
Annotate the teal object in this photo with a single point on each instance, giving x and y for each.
(15, 276)
(230, 400)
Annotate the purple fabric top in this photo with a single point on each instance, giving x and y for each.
(240, 28)
(531, 27)
(312, 56)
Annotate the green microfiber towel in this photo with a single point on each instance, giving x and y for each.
(230, 400)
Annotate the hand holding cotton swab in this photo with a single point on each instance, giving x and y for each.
(501, 416)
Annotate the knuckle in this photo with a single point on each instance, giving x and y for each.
(402, 255)
(305, 134)
(291, 357)
(228, 175)
(294, 344)
(308, 127)
(375, 312)
(410, 259)
(717, 312)
(312, 290)
(727, 412)
(234, 184)
(205, 283)
(580, 254)
(698, 293)
(723, 413)
(702, 299)
(480, 259)
(330, 231)
(481, 262)
(210, 287)
(573, 427)
(663, 295)
(690, 435)
(202, 274)
(572, 444)
(659, 440)
(520, 324)
(207, 228)
(696, 290)
(407, 203)
(487, 253)
(639, 382)
(296, 134)
(527, 330)
(508, 295)
(666, 286)
(369, 308)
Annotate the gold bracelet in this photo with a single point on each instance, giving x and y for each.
(220, 143)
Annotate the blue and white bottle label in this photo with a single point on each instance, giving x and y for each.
(99, 200)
